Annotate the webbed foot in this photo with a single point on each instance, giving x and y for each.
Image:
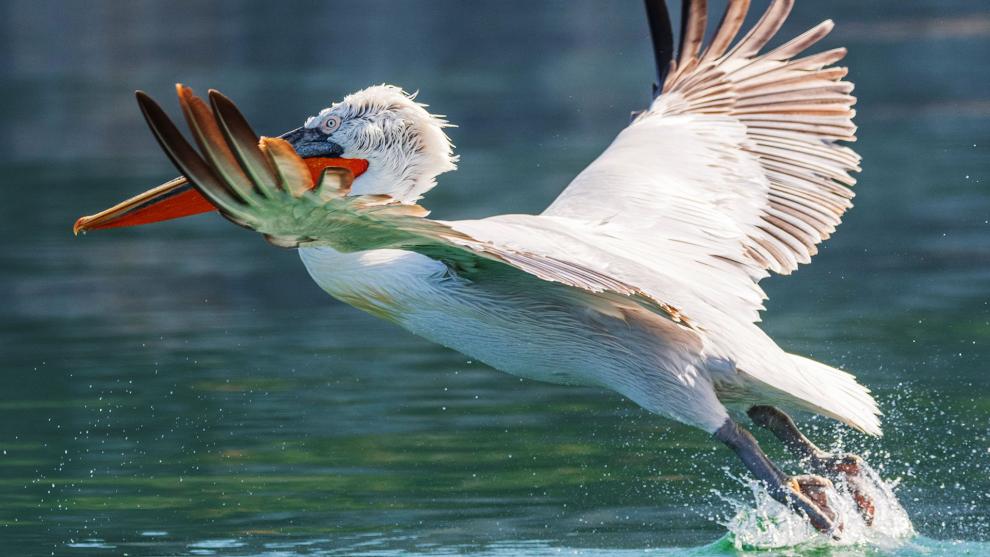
(846, 467)
(850, 468)
(809, 495)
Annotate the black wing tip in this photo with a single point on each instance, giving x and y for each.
(228, 114)
(662, 38)
(685, 10)
(149, 107)
(146, 102)
(219, 99)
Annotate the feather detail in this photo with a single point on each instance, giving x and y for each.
(294, 175)
(732, 21)
(694, 19)
(794, 110)
(207, 135)
(764, 30)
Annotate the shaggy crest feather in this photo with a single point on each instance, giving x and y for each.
(404, 144)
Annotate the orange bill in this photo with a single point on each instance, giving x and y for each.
(177, 198)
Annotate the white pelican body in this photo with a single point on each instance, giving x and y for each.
(532, 329)
(641, 277)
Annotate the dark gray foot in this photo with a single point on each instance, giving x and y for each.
(804, 494)
(847, 466)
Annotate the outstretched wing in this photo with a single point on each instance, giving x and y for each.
(263, 185)
(736, 160)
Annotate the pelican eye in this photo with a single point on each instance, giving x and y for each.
(331, 124)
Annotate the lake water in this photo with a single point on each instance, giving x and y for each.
(185, 389)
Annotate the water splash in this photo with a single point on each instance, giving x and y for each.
(766, 524)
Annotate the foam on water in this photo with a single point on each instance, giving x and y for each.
(766, 524)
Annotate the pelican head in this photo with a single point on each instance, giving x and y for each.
(390, 142)
(405, 146)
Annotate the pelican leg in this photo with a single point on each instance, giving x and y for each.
(821, 462)
(804, 494)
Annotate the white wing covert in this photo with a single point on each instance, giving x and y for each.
(734, 170)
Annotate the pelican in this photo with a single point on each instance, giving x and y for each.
(641, 277)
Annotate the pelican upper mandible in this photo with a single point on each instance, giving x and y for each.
(641, 277)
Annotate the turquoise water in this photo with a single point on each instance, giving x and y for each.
(185, 389)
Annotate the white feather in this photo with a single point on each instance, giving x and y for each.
(642, 276)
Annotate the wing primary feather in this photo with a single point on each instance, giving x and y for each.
(662, 37)
(186, 159)
(212, 144)
(334, 182)
(694, 20)
(764, 30)
(802, 42)
(243, 142)
(728, 28)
